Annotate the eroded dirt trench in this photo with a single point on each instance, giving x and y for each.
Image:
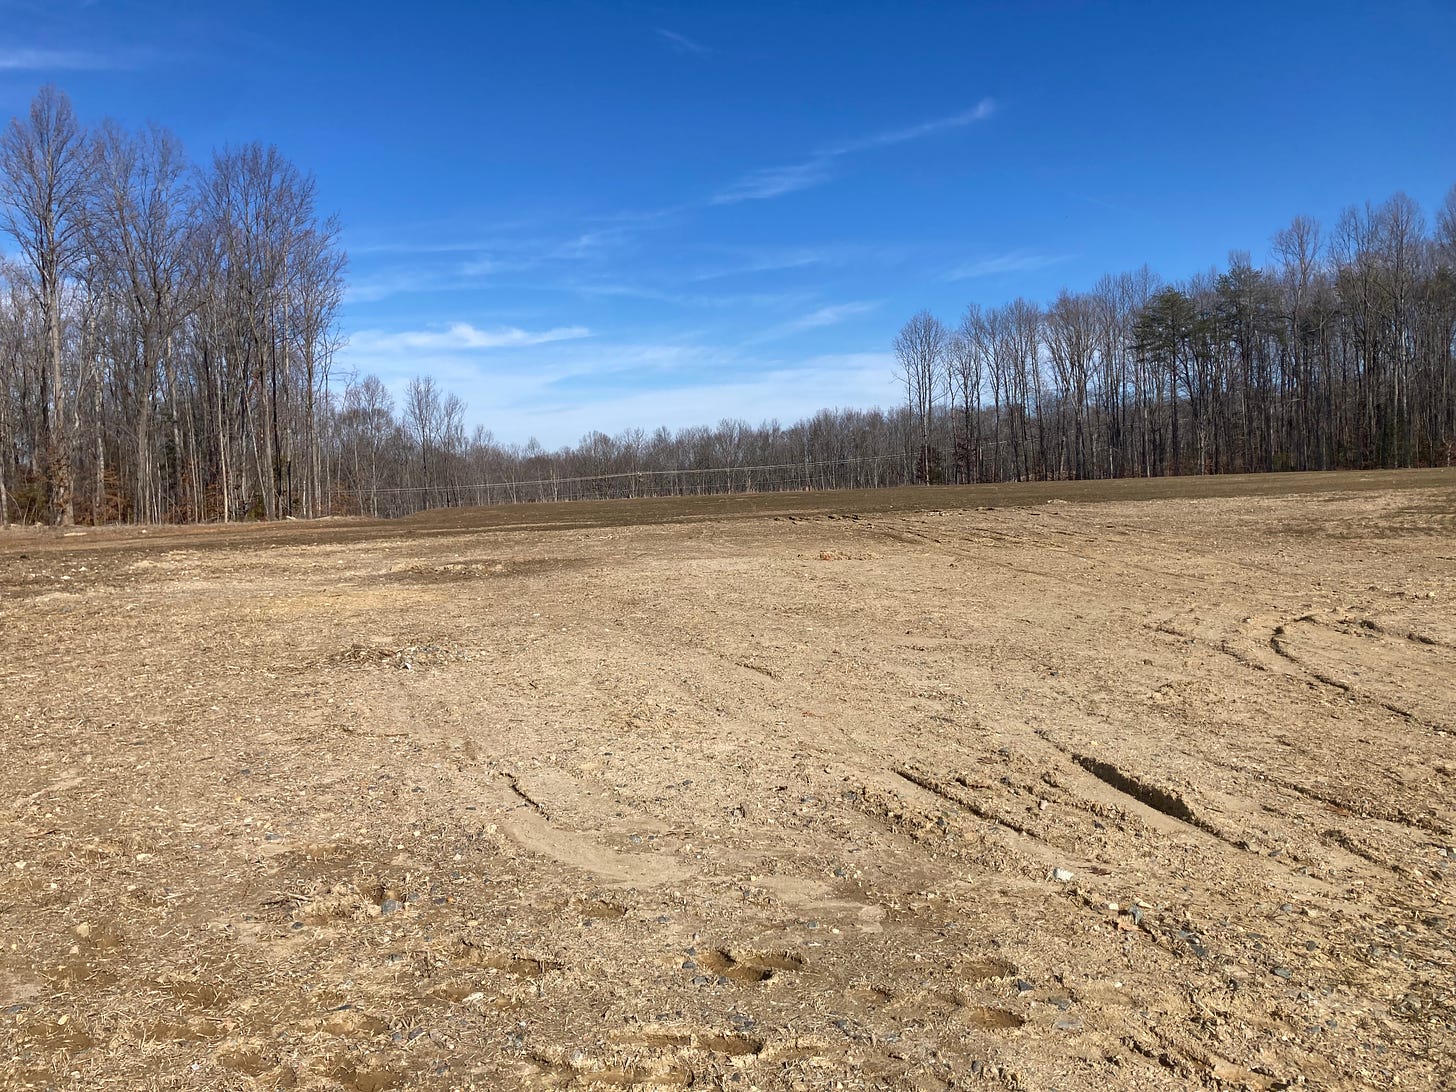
(1148, 794)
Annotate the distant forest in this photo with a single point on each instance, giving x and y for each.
(168, 333)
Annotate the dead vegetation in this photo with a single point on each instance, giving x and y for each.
(403, 658)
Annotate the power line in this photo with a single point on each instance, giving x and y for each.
(506, 483)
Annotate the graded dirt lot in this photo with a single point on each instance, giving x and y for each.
(1110, 786)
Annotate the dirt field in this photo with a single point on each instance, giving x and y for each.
(1115, 786)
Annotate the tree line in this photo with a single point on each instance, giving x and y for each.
(168, 332)
(166, 329)
(398, 456)
(1339, 352)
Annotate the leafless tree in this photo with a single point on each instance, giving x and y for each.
(45, 178)
(167, 340)
(919, 351)
(139, 237)
(1071, 346)
(967, 355)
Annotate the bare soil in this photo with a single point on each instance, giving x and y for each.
(1113, 785)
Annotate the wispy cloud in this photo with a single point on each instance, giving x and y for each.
(393, 269)
(769, 182)
(708, 300)
(484, 267)
(384, 284)
(681, 42)
(980, 112)
(421, 265)
(765, 262)
(411, 246)
(411, 278)
(832, 315)
(1015, 261)
(51, 60)
(460, 336)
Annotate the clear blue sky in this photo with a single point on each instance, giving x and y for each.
(602, 215)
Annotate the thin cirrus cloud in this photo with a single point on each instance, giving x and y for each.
(980, 112)
(681, 42)
(1015, 261)
(374, 287)
(832, 315)
(768, 182)
(765, 183)
(595, 243)
(50, 60)
(765, 262)
(460, 337)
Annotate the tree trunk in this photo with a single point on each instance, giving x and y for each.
(58, 454)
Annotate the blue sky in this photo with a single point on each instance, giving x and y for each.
(600, 215)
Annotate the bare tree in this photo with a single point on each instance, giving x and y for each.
(1071, 346)
(315, 295)
(970, 355)
(139, 239)
(422, 412)
(260, 216)
(919, 350)
(45, 176)
(168, 339)
(12, 383)
(365, 427)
